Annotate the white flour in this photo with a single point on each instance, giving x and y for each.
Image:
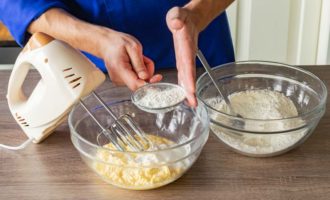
(260, 104)
(156, 98)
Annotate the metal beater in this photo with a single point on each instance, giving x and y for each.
(124, 130)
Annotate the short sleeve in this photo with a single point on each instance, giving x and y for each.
(17, 15)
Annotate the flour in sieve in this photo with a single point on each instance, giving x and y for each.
(157, 98)
(262, 105)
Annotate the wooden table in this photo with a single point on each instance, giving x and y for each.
(54, 170)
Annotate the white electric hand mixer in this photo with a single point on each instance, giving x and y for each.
(66, 77)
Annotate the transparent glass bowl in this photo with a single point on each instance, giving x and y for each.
(307, 92)
(187, 130)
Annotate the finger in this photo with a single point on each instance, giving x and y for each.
(151, 69)
(129, 77)
(175, 18)
(189, 89)
(150, 65)
(135, 53)
(156, 78)
(192, 100)
(188, 83)
(185, 58)
(185, 44)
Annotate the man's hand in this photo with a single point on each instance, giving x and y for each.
(185, 24)
(185, 35)
(125, 61)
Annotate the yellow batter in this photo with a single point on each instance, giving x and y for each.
(126, 170)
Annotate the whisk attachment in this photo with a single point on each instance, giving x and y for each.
(123, 132)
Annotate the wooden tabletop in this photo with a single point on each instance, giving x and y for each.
(54, 170)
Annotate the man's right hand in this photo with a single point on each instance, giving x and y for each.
(125, 62)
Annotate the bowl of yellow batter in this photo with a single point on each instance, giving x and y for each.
(179, 135)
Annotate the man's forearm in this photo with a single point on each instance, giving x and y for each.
(205, 11)
(63, 26)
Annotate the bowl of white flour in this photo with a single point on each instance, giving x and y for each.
(280, 106)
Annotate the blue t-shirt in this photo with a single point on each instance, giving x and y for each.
(144, 19)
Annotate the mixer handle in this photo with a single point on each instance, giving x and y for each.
(15, 93)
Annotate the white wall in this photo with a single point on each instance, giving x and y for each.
(328, 50)
(289, 31)
(324, 36)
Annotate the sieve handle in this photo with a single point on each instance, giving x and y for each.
(211, 75)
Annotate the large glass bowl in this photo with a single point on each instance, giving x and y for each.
(184, 128)
(254, 137)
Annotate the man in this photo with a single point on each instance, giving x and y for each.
(126, 37)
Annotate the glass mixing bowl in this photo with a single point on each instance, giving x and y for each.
(256, 137)
(184, 130)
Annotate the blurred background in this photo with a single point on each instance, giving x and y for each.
(290, 31)
(8, 48)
